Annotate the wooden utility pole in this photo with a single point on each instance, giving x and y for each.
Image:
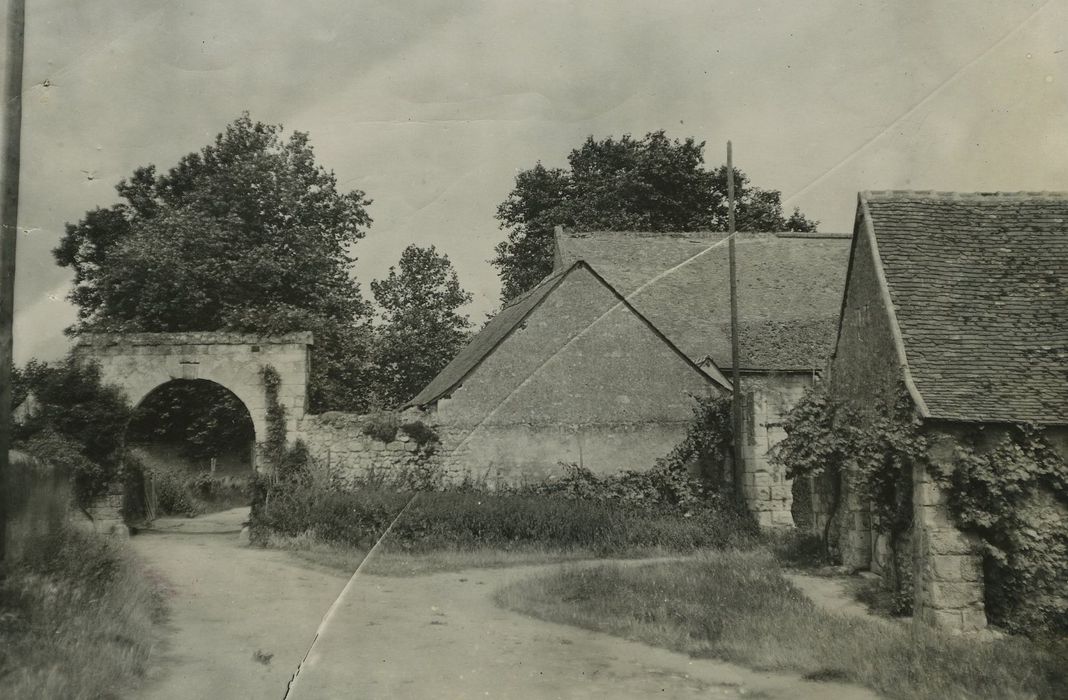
(9, 219)
(736, 380)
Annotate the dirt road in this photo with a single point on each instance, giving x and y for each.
(229, 602)
(438, 636)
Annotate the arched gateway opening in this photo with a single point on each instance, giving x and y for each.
(190, 448)
(171, 377)
(140, 362)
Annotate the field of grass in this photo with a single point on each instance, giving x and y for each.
(738, 607)
(78, 619)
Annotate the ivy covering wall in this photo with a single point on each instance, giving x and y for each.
(1007, 484)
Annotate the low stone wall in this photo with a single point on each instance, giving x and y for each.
(340, 446)
(104, 516)
(492, 455)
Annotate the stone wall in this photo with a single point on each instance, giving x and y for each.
(344, 452)
(768, 398)
(583, 380)
(141, 362)
(517, 453)
(866, 371)
(493, 456)
(947, 564)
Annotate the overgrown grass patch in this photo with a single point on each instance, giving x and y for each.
(737, 606)
(390, 560)
(455, 520)
(78, 619)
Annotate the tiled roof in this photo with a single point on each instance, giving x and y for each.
(790, 290)
(977, 282)
(486, 340)
(513, 315)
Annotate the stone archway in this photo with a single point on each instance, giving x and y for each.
(141, 362)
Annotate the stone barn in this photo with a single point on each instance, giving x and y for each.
(789, 296)
(962, 299)
(569, 372)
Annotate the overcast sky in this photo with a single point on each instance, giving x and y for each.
(432, 108)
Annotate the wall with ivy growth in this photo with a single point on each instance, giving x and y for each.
(864, 377)
(356, 448)
(1008, 485)
(976, 516)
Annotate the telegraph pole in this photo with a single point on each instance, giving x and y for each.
(9, 218)
(736, 380)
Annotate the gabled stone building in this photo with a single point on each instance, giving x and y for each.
(789, 295)
(569, 372)
(962, 298)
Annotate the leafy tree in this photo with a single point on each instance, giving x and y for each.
(648, 184)
(78, 416)
(249, 234)
(422, 329)
(207, 419)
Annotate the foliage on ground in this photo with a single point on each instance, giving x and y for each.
(459, 520)
(388, 561)
(78, 619)
(180, 492)
(79, 423)
(738, 607)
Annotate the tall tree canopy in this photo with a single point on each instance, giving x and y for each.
(422, 329)
(648, 184)
(249, 234)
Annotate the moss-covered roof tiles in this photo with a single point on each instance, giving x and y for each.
(978, 287)
(790, 290)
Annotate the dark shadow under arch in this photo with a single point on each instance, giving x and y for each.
(198, 420)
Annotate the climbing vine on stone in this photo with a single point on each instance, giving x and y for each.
(275, 444)
(707, 440)
(1007, 485)
(1011, 488)
(875, 446)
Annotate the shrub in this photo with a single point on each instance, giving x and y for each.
(707, 441)
(382, 426)
(77, 619)
(80, 423)
(152, 492)
(469, 519)
(798, 548)
(664, 486)
(420, 432)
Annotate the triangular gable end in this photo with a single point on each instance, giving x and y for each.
(514, 316)
(863, 226)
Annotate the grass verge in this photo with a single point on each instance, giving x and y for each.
(78, 619)
(738, 607)
(399, 562)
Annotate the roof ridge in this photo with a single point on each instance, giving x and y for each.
(517, 299)
(962, 196)
(711, 235)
